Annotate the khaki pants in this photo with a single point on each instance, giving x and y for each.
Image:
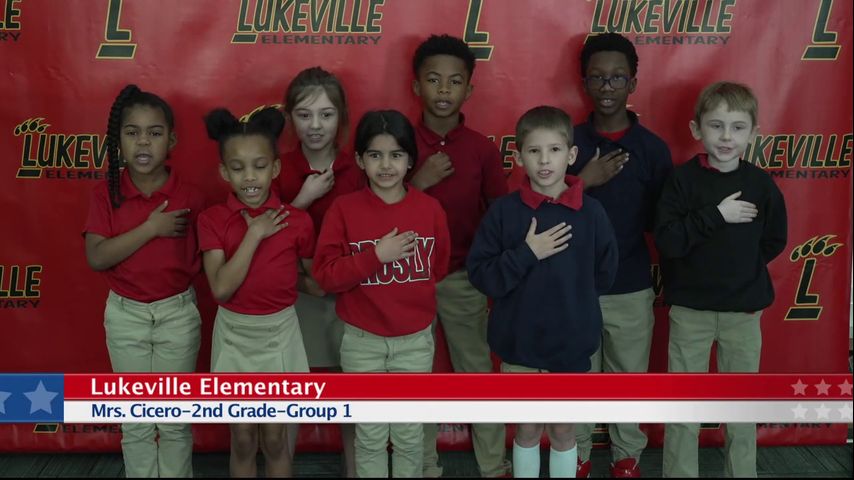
(161, 336)
(362, 352)
(462, 311)
(321, 330)
(739, 345)
(627, 323)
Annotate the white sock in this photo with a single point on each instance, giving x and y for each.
(563, 464)
(526, 461)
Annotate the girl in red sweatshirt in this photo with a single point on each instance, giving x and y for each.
(382, 249)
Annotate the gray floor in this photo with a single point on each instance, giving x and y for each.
(793, 462)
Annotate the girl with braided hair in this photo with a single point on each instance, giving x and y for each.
(252, 256)
(140, 233)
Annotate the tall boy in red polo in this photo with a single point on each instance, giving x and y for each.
(463, 170)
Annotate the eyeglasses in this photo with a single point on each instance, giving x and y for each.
(617, 82)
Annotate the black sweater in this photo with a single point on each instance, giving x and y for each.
(708, 264)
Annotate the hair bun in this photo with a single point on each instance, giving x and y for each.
(268, 119)
(220, 122)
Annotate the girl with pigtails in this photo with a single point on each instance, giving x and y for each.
(253, 245)
(140, 234)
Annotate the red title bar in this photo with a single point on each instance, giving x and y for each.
(439, 386)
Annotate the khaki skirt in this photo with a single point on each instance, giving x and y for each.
(257, 343)
(321, 329)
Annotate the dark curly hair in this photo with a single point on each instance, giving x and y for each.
(443, 45)
(609, 42)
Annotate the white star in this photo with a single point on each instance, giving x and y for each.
(845, 387)
(846, 411)
(823, 412)
(800, 412)
(823, 388)
(800, 387)
(40, 398)
(3, 397)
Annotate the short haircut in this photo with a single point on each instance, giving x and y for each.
(389, 122)
(609, 42)
(544, 116)
(308, 84)
(737, 97)
(443, 45)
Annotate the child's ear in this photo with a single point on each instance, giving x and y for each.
(416, 88)
(277, 168)
(173, 140)
(518, 158)
(469, 90)
(572, 155)
(754, 133)
(223, 172)
(359, 161)
(695, 130)
(633, 84)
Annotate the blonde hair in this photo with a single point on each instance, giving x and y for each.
(544, 116)
(736, 96)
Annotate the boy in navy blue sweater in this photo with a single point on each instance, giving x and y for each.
(544, 254)
(624, 166)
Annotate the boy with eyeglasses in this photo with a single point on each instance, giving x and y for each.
(623, 165)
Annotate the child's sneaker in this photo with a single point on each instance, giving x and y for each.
(583, 469)
(625, 468)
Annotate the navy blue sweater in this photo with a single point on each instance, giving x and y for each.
(706, 263)
(630, 197)
(545, 313)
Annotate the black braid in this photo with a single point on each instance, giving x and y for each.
(114, 124)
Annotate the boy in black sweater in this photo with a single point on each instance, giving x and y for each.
(720, 221)
(544, 254)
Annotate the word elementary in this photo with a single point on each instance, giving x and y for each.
(205, 387)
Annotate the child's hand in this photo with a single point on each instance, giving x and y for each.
(267, 224)
(394, 246)
(317, 185)
(308, 285)
(549, 242)
(599, 171)
(737, 211)
(168, 224)
(436, 168)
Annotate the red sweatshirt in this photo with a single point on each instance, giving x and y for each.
(393, 299)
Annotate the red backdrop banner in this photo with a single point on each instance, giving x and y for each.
(64, 62)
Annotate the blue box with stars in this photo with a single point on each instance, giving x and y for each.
(31, 397)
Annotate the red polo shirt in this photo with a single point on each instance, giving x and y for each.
(271, 282)
(295, 169)
(477, 179)
(571, 197)
(164, 266)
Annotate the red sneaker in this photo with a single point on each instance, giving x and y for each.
(583, 469)
(625, 468)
